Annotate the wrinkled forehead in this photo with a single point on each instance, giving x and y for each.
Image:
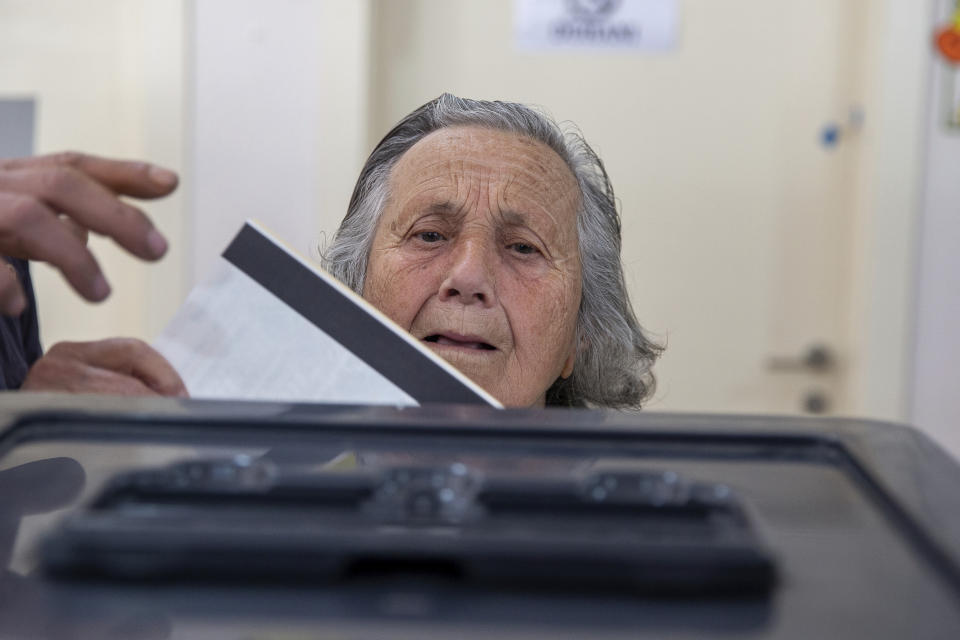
(519, 167)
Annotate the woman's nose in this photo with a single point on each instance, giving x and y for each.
(469, 278)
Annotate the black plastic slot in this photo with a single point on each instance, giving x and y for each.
(567, 506)
(294, 495)
(377, 567)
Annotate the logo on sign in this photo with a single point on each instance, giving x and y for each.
(592, 21)
(607, 25)
(592, 9)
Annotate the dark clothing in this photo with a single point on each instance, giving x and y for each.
(20, 335)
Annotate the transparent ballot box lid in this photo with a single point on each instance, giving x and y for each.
(173, 518)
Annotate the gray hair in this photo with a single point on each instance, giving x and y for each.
(614, 356)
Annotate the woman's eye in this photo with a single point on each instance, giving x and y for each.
(523, 248)
(430, 236)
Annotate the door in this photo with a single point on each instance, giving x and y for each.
(735, 157)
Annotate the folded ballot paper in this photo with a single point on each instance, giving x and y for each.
(269, 325)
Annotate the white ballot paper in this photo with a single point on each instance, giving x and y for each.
(269, 325)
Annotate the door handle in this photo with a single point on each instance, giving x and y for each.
(817, 358)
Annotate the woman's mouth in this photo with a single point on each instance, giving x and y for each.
(474, 343)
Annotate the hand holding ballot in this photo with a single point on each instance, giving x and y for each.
(118, 366)
(48, 205)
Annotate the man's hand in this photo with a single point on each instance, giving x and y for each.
(119, 366)
(48, 203)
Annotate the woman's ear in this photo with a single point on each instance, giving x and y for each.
(568, 365)
(580, 344)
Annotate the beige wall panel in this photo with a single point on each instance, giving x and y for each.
(104, 72)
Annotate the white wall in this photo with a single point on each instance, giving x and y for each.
(935, 388)
(162, 41)
(278, 119)
(106, 76)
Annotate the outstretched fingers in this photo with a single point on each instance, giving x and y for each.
(91, 205)
(124, 177)
(31, 230)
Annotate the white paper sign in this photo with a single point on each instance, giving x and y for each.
(543, 25)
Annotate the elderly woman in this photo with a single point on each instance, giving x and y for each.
(494, 238)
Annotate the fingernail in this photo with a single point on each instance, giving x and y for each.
(162, 177)
(156, 242)
(100, 288)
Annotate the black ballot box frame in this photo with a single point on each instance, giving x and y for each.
(862, 517)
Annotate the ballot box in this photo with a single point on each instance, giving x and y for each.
(160, 518)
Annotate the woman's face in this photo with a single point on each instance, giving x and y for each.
(476, 254)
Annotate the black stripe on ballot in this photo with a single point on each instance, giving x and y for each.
(334, 313)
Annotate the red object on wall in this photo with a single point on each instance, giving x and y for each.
(948, 42)
(948, 38)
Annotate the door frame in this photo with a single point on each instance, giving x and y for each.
(888, 205)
